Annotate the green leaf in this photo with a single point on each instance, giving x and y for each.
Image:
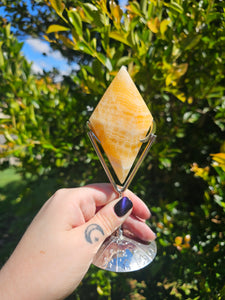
(58, 6)
(125, 60)
(219, 200)
(8, 136)
(222, 292)
(85, 48)
(67, 42)
(56, 28)
(191, 117)
(213, 16)
(116, 12)
(174, 6)
(90, 10)
(180, 96)
(1, 55)
(8, 30)
(119, 37)
(93, 14)
(105, 61)
(94, 43)
(154, 24)
(97, 69)
(144, 6)
(163, 26)
(166, 162)
(135, 7)
(76, 21)
(191, 41)
(45, 145)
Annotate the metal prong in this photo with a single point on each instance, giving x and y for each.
(92, 132)
(151, 132)
(104, 165)
(119, 189)
(151, 140)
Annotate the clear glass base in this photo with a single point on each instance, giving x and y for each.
(120, 253)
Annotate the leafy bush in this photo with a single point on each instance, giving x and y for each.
(43, 131)
(174, 52)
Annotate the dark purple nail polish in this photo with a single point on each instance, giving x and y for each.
(123, 206)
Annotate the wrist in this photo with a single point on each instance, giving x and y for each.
(15, 281)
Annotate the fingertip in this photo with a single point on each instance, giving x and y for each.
(122, 207)
(139, 228)
(140, 209)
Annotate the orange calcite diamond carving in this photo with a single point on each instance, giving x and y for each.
(120, 120)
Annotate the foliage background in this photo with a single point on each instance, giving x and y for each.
(174, 53)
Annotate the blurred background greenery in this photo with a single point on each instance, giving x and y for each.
(174, 51)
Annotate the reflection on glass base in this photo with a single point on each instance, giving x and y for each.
(124, 254)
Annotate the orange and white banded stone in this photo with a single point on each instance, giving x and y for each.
(120, 120)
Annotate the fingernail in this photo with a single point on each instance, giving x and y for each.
(123, 206)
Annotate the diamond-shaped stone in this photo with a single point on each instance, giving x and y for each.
(120, 120)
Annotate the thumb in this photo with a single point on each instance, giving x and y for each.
(107, 220)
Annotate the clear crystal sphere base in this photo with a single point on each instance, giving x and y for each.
(123, 254)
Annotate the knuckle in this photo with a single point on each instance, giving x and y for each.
(60, 193)
(58, 196)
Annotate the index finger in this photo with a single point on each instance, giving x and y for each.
(104, 193)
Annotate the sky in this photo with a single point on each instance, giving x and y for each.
(43, 57)
(39, 52)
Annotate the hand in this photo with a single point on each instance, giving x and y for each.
(59, 245)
